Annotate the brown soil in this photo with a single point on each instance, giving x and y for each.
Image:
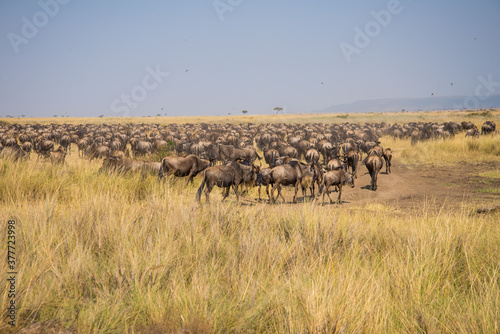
(413, 187)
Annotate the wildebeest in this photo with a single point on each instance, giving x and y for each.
(95, 151)
(151, 167)
(335, 178)
(44, 147)
(142, 148)
(189, 166)
(27, 146)
(352, 161)
(335, 163)
(287, 174)
(230, 153)
(488, 127)
(13, 152)
(310, 176)
(374, 164)
(474, 132)
(263, 179)
(223, 176)
(58, 156)
(312, 155)
(387, 157)
(270, 156)
(65, 142)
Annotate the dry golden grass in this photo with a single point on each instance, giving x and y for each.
(107, 253)
(477, 117)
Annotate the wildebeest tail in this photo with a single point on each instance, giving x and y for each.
(200, 189)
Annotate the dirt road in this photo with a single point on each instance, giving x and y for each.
(411, 187)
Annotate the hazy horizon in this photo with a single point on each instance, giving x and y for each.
(217, 57)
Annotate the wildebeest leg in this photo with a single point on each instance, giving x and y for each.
(190, 178)
(208, 189)
(296, 190)
(280, 194)
(226, 193)
(271, 197)
(328, 194)
(235, 192)
(340, 194)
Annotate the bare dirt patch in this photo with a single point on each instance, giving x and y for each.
(416, 186)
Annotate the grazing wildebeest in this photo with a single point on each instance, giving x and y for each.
(387, 157)
(336, 178)
(223, 176)
(374, 164)
(352, 161)
(58, 156)
(189, 166)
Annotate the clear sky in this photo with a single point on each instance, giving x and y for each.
(206, 57)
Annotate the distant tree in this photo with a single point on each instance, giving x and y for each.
(278, 109)
(402, 110)
(23, 116)
(55, 115)
(229, 113)
(244, 112)
(158, 115)
(101, 116)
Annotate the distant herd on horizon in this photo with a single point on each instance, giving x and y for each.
(299, 155)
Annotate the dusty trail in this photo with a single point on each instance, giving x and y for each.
(411, 187)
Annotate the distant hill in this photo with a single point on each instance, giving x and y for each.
(414, 104)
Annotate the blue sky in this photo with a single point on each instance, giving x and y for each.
(89, 58)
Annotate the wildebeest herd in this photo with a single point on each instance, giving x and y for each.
(304, 156)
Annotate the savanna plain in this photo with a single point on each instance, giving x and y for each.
(112, 253)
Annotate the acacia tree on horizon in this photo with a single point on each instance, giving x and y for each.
(244, 112)
(278, 109)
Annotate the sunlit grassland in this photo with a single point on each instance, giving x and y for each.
(112, 253)
(446, 152)
(477, 117)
